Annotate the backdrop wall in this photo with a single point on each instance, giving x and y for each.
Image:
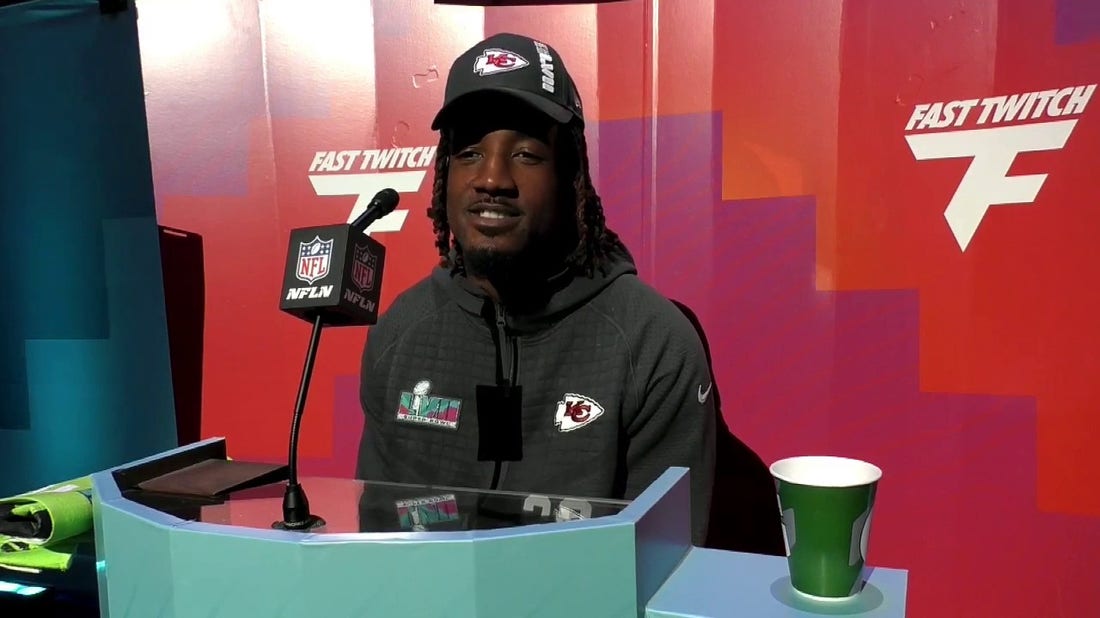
(85, 376)
(819, 183)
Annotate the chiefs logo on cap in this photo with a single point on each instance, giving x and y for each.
(498, 61)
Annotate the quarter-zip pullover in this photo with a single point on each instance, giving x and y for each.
(609, 380)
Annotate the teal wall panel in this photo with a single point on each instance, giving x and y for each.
(85, 375)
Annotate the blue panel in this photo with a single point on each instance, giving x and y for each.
(721, 583)
(663, 530)
(85, 378)
(390, 579)
(137, 566)
(560, 572)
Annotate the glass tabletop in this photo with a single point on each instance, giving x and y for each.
(349, 505)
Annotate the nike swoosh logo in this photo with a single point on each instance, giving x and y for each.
(703, 394)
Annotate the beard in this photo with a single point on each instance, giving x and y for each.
(494, 265)
(520, 279)
(538, 258)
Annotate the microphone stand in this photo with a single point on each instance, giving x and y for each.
(296, 515)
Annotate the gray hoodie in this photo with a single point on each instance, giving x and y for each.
(610, 383)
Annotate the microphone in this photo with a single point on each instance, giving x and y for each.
(333, 277)
(380, 205)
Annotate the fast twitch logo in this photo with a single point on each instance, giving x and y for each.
(1003, 127)
(363, 173)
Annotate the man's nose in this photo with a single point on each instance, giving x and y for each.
(494, 175)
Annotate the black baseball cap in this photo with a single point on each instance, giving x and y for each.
(525, 68)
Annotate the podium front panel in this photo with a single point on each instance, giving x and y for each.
(159, 566)
(386, 549)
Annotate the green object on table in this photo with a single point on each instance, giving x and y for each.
(826, 505)
(41, 529)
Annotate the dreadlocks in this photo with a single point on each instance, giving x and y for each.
(594, 240)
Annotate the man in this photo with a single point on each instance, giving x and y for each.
(533, 359)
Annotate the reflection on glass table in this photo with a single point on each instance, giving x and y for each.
(349, 505)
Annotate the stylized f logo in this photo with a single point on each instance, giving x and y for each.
(365, 186)
(986, 182)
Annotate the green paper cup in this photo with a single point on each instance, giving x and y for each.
(826, 505)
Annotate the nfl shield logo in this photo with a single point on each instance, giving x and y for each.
(313, 259)
(362, 268)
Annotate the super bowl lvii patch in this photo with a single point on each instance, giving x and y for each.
(421, 407)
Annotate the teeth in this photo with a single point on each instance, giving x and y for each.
(488, 214)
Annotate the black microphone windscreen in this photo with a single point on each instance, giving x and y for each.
(387, 200)
(380, 205)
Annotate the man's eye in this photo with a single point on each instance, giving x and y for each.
(529, 157)
(466, 154)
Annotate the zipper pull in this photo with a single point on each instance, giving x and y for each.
(502, 339)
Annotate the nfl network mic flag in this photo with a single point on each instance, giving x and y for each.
(334, 270)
